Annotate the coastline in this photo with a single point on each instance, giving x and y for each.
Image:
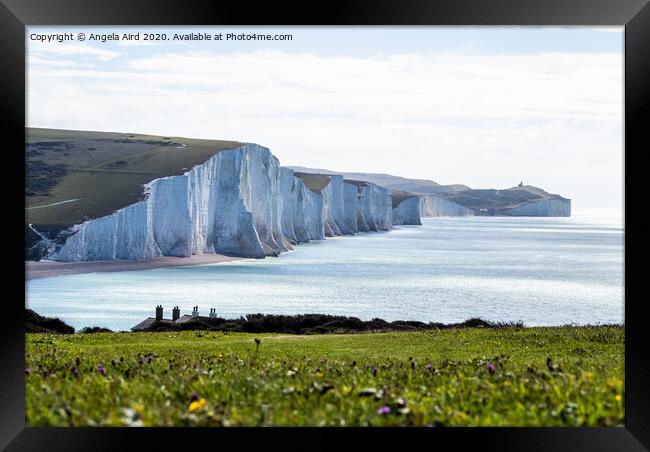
(47, 269)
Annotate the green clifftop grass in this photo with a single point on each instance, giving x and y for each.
(567, 376)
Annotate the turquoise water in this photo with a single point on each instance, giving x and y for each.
(542, 271)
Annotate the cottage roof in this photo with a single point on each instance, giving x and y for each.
(146, 323)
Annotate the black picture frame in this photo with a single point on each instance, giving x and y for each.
(16, 14)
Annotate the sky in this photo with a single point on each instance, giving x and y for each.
(486, 107)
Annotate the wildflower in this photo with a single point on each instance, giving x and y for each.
(374, 371)
(321, 361)
(428, 367)
(28, 371)
(618, 397)
(195, 397)
(196, 405)
(149, 359)
(490, 367)
(383, 410)
(588, 376)
(101, 369)
(74, 371)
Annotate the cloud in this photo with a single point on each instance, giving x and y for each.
(71, 49)
(552, 119)
(612, 29)
(35, 60)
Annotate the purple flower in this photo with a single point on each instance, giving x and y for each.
(322, 361)
(149, 359)
(428, 366)
(101, 369)
(490, 367)
(28, 371)
(74, 371)
(383, 410)
(195, 396)
(317, 369)
(374, 371)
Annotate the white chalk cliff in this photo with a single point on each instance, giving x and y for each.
(552, 207)
(433, 206)
(407, 211)
(239, 202)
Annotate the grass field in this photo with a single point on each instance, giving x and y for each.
(564, 376)
(100, 171)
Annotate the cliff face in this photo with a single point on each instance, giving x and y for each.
(238, 202)
(374, 207)
(350, 206)
(432, 206)
(230, 204)
(407, 211)
(542, 208)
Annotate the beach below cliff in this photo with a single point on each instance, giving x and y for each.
(46, 269)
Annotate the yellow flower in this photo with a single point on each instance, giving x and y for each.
(614, 382)
(196, 405)
(346, 390)
(588, 376)
(618, 397)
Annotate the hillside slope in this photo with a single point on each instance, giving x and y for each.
(525, 200)
(393, 183)
(76, 175)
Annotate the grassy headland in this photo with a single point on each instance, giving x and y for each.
(555, 376)
(75, 175)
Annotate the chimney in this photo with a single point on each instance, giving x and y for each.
(195, 312)
(176, 313)
(213, 313)
(159, 312)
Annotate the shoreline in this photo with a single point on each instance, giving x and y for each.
(47, 269)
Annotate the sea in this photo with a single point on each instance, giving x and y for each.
(540, 271)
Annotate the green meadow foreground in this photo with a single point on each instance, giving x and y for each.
(563, 376)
